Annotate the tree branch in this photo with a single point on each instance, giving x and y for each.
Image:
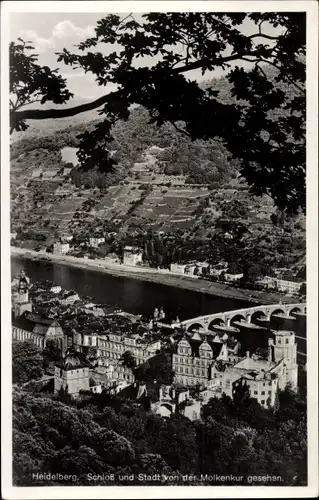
(39, 114)
(262, 35)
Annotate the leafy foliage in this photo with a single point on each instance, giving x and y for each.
(269, 148)
(104, 433)
(27, 362)
(30, 82)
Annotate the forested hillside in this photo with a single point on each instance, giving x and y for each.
(106, 435)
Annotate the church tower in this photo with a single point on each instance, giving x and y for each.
(284, 347)
(20, 288)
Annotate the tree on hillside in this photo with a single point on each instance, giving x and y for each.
(262, 125)
(128, 360)
(51, 353)
(27, 362)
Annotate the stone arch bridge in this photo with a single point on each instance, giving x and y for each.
(248, 315)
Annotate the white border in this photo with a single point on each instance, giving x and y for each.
(15, 493)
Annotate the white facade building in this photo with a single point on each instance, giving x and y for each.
(285, 286)
(96, 241)
(132, 256)
(61, 248)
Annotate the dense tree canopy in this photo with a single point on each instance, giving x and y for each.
(102, 434)
(27, 362)
(263, 127)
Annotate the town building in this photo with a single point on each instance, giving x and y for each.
(217, 270)
(13, 235)
(260, 376)
(112, 346)
(72, 374)
(177, 268)
(50, 174)
(110, 373)
(56, 289)
(94, 242)
(188, 268)
(203, 268)
(132, 256)
(37, 172)
(61, 247)
(66, 237)
(232, 277)
(37, 329)
(66, 171)
(194, 357)
(219, 368)
(289, 287)
(69, 298)
(20, 294)
(164, 399)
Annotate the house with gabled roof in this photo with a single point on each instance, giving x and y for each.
(36, 328)
(194, 357)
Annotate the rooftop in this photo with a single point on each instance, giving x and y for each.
(71, 361)
(34, 323)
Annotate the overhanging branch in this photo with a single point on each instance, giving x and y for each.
(39, 114)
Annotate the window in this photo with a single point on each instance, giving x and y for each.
(287, 341)
(255, 392)
(269, 392)
(279, 341)
(262, 393)
(262, 401)
(264, 384)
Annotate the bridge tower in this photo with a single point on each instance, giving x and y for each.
(284, 346)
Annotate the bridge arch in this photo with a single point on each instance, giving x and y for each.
(279, 310)
(259, 314)
(237, 317)
(194, 326)
(216, 322)
(298, 309)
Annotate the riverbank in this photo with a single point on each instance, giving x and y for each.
(163, 277)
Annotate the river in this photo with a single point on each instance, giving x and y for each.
(135, 296)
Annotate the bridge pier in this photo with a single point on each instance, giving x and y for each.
(227, 322)
(248, 318)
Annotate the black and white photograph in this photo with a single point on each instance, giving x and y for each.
(159, 194)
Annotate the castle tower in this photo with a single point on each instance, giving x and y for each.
(21, 302)
(71, 374)
(285, 347)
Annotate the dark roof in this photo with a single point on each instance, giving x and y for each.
(69, 294)
(195, 344)
(72, 360)
(34, 323)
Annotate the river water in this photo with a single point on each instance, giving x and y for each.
(135, 296)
